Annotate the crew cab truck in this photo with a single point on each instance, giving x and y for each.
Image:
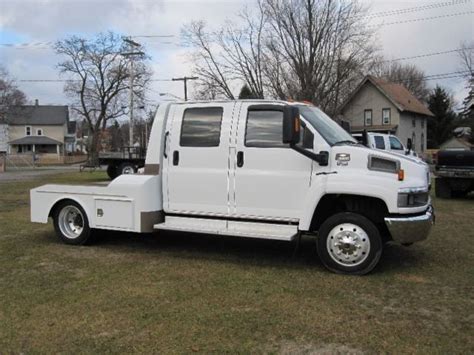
(255, 169)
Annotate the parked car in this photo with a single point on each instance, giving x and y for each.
(255, 169)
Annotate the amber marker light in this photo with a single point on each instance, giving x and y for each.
(401, 175)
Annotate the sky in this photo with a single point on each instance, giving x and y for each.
(41, 22)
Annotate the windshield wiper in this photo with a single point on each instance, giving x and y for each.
(345, 142)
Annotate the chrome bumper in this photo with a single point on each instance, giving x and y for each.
(407, 230)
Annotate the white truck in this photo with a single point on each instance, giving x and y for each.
(255, 169)
(387, 142)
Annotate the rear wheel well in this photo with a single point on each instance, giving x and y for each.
(372, 208)
(59, 203)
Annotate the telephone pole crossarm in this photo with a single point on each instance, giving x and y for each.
(185, 79)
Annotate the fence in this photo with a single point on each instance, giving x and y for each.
(16, 161)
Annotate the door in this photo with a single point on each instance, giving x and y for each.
(271, 180)
(196, 162)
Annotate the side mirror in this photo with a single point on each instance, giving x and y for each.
(409, 144)
(291, 125)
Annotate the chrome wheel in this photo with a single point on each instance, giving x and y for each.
(71, 222)
(348, 244)
(128, 170)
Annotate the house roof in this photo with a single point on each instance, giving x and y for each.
(396, 93)
(35, 140)
(461, 141)
(38, 115)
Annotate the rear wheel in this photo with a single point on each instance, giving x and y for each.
(71, 223)
(349, 243)
(127, 168)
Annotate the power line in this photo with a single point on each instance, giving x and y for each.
(427, 54)
(424, 19)
(416, 9)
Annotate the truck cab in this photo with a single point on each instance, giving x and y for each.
(387, 142)
(255, 169)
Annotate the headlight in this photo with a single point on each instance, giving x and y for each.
(413, 197)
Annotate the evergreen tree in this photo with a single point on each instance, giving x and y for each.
(440, 126)
(246, 93)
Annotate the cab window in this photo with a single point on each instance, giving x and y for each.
(264, 129)
(201, 127)
(395, 144)
(379, 142)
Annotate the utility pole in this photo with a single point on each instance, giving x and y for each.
(185, 80)
(132, 54)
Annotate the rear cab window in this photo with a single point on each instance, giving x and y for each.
(379, 142)
(201, 127)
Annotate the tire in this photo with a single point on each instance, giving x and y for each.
(349, 243)
(112, 171)
(71, 223)
(126, 168)
(442, 188)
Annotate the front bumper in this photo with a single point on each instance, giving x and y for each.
(411, 229)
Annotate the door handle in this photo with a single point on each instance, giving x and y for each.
(175, 157)
(240, 159)
(164, 148)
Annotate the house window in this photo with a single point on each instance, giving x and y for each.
(422, 142)
(386, 116)
(39, 132)
(413, 141)
(422, 123)
(368, 117)
(413, 122)
(28, 131)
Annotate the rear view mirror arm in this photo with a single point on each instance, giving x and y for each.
(322, 158)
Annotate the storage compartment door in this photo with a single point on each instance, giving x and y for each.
(114, 213)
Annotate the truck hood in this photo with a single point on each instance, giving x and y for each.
(416, 171)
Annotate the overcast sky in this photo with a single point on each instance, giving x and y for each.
(32, 21)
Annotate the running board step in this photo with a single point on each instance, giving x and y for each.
(270, 231)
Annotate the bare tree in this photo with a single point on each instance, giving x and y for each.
(99, 80)
(10, 95)
(322, 45)
(408, 75)
(315, 50)
(213, 72)
(466, 59)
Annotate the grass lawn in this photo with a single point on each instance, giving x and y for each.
(180, 293)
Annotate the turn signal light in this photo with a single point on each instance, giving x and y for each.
(297, 124)
(401, 174)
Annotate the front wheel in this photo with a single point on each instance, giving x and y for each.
(349, 243)
(71, 223)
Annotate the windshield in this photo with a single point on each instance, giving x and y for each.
(325, 125)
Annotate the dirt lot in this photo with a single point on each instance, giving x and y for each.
(181, 293)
